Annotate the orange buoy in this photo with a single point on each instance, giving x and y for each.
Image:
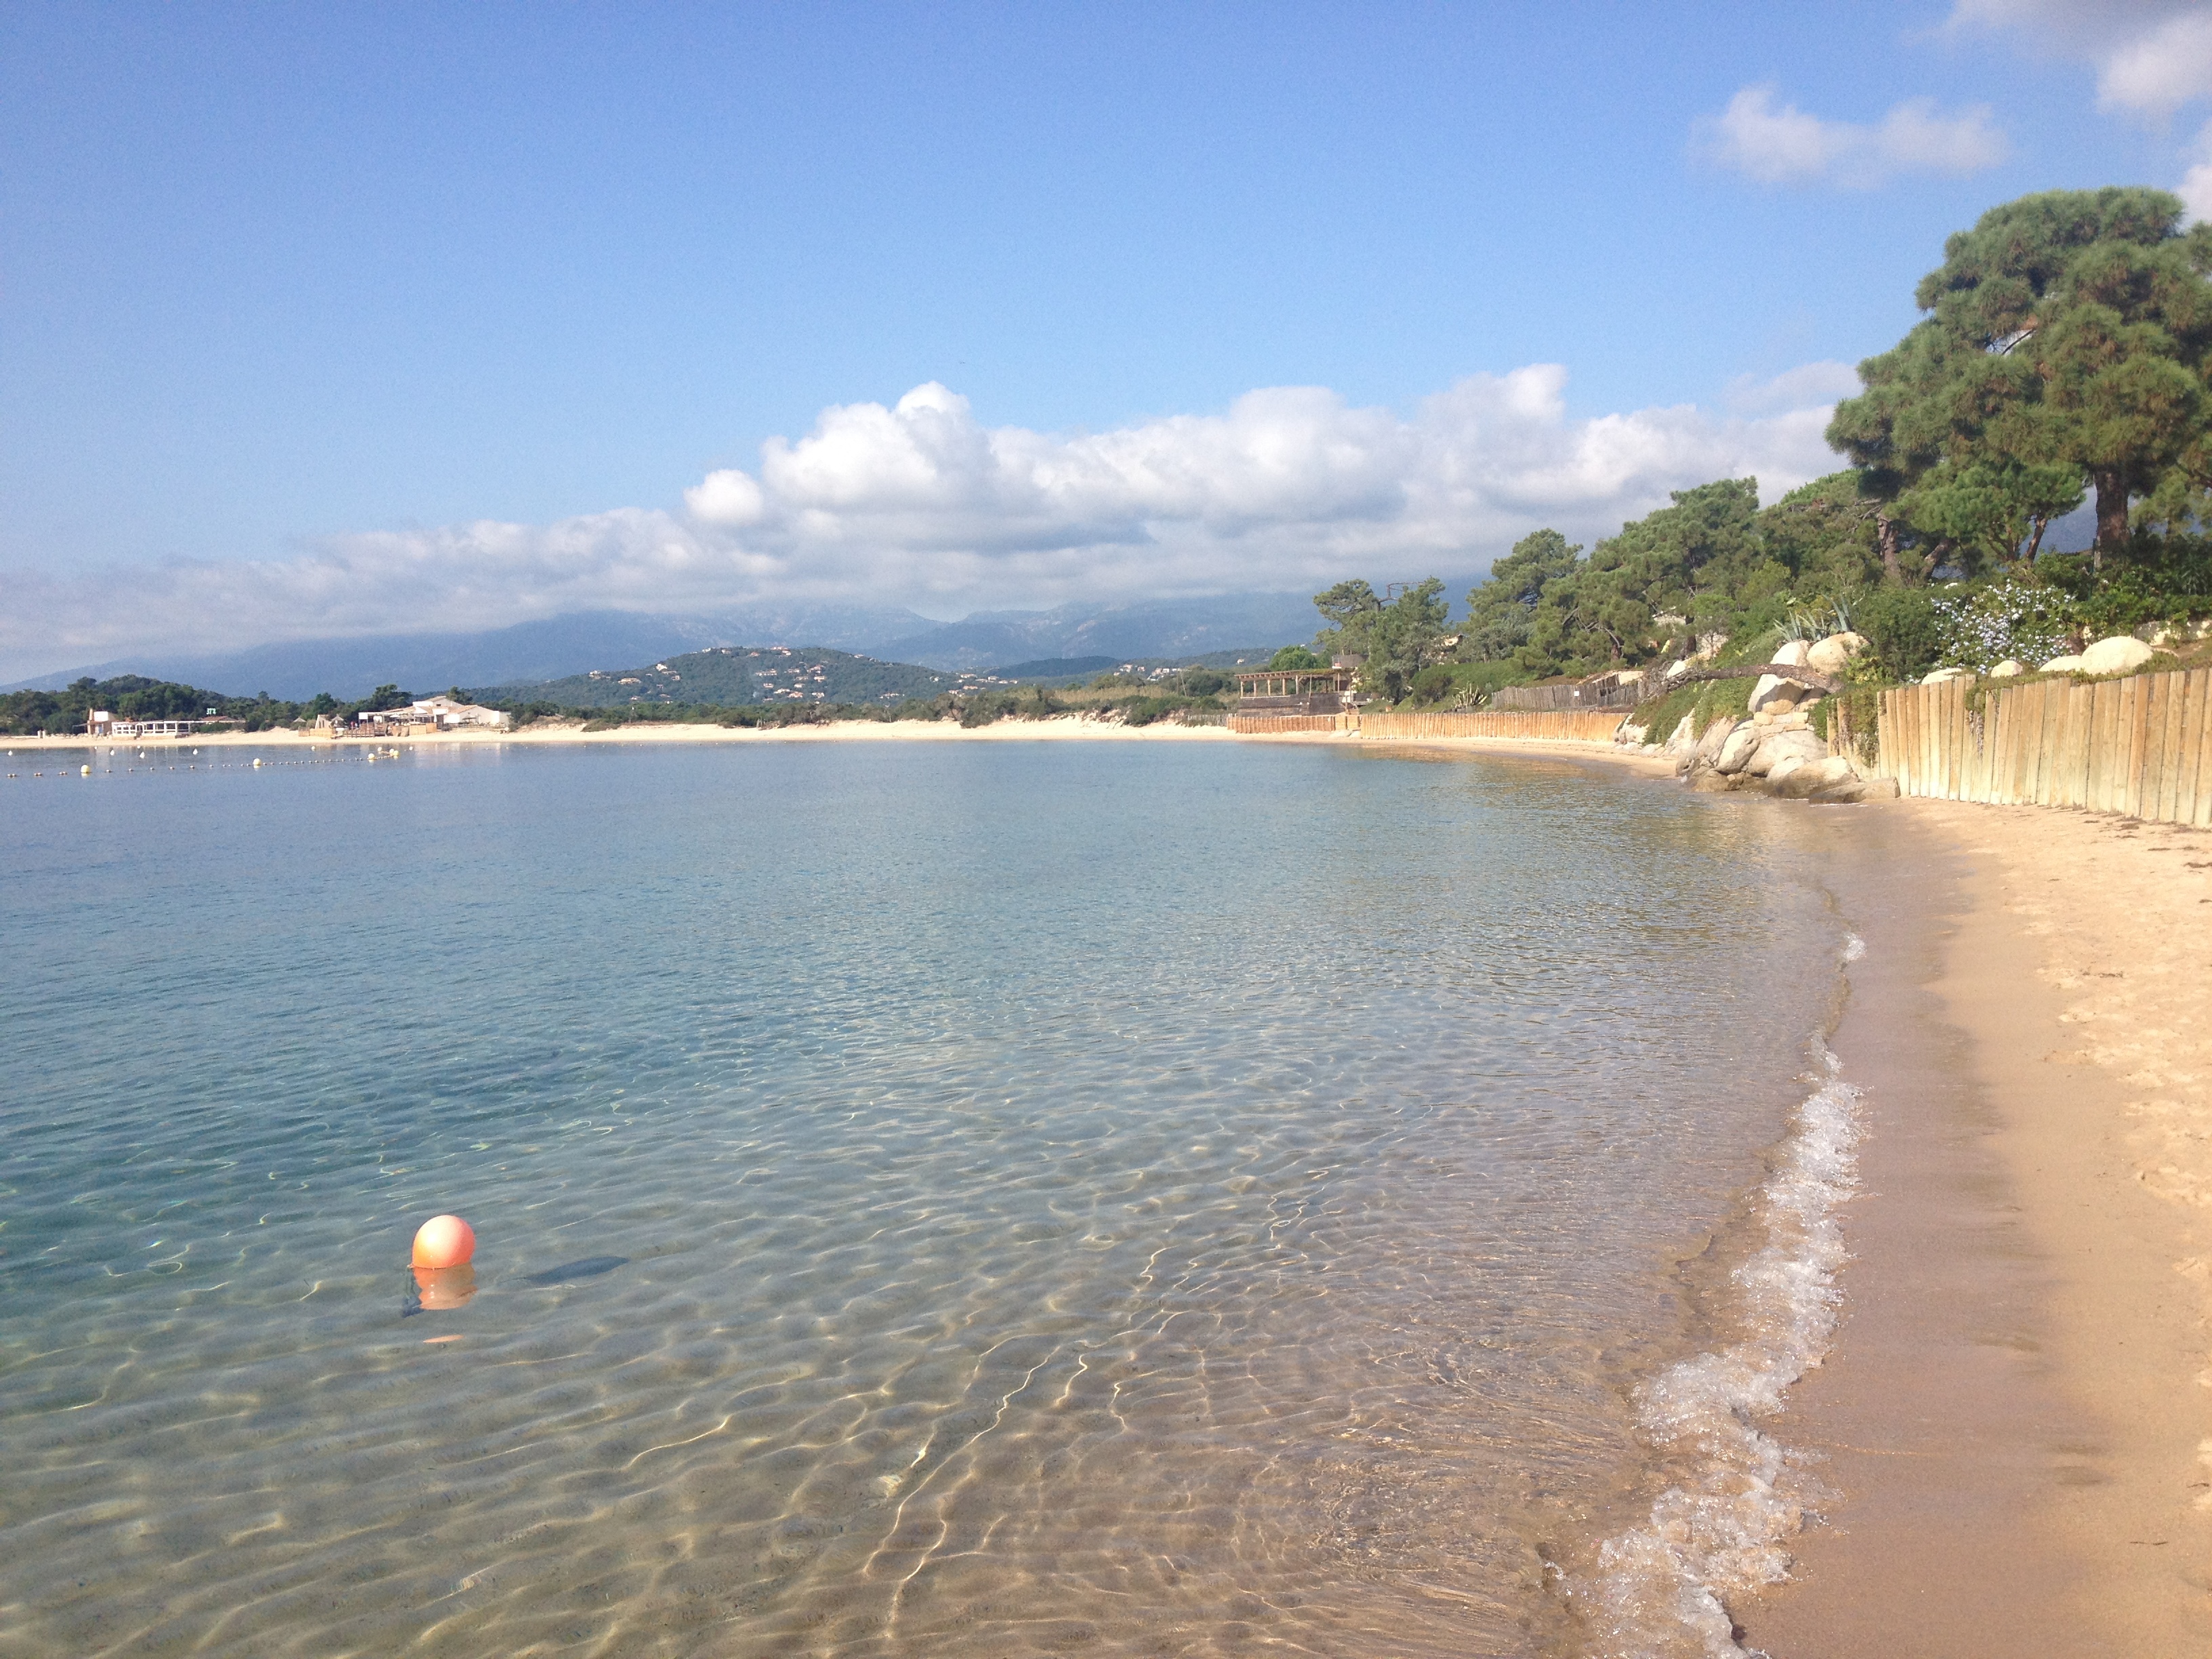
(444, 1241)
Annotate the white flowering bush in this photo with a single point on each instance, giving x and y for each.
(1979, 628)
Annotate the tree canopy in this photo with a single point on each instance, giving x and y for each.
(1394, 638)
(1500, 611)
(135, 697)
(2066, 348)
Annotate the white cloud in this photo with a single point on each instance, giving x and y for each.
(2157, 72)
(1784, 145)
(921, 503)
(2151, 56)
(1807, 386)
(2195, 186)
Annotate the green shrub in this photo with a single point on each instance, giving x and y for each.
(1979, 628)
(1702, 701)
(1899, 623)
(1860, 706)
(1485, 677)
(1433, 685)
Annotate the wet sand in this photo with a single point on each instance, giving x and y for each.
(2015, 1418)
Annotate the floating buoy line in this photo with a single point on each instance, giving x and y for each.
(252, 764)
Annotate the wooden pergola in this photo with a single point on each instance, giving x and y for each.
(1292, 691)
(1291, 682)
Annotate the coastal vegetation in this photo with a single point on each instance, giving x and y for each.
(135, 697)
(743, 677)
(766, 687)
(2062, 359)
(1192, 697)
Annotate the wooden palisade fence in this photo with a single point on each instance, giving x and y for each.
(2140, 745)
(1264, 725)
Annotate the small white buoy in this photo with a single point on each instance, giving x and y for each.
(257, 761)
(84, 771)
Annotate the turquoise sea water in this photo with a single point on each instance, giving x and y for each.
(966, 1198)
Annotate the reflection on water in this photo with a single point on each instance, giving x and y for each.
(440, 1290)
(967, 1199)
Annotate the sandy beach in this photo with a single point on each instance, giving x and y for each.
(2016, 1421)
(2016, 1424)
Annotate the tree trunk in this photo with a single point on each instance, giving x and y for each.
(1886, 533)
(2036, 540)
(2112, 514)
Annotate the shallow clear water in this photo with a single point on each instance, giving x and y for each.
(986, 1198)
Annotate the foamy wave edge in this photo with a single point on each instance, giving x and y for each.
(1663, 1588)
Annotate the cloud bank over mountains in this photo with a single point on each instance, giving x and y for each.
(919, 503)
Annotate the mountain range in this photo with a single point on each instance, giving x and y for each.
(730, 676)
(561, 646)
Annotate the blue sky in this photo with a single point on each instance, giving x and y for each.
(339, 319)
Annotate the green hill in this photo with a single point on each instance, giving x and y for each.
(735, 677)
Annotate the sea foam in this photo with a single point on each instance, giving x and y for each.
(1663, 1587)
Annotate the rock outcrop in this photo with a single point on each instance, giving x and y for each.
(1772, 690)
(1834, 654)
(1806, 779)
(1778, 745)
(1738, 748)
(2123, 654)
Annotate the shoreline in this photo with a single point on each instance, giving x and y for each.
(2014, 1422)
(2011, 1433)
(1058, 728)
(2014, 1419)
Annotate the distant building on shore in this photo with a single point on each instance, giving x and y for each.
(1296, 690)
(102, 723)
(424, 714)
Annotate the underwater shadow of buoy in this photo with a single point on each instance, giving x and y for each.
(590, 1267)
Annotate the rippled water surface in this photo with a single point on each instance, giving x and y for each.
(979, 1199)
